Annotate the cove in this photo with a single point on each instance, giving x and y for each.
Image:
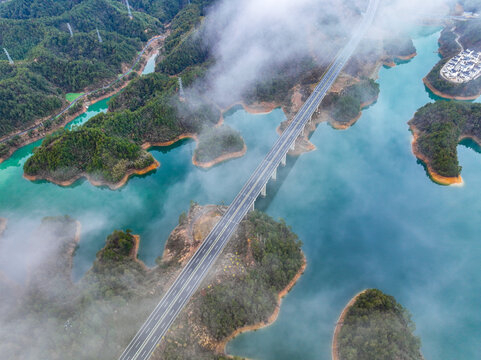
(370, 217)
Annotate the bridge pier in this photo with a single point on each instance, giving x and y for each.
(274, 175)
(252, 207)
(264, 191)
(284, 160)
(293, 146)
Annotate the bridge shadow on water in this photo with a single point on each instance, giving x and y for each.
(273, 186)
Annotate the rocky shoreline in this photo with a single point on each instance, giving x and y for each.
(112, 186)
(446, 96)
(221, 346)
(439, 179)
(340, 321)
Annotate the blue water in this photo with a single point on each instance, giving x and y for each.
(150, 66)
(363, 206)
(370, 217)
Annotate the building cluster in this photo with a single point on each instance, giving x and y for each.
(464, 67)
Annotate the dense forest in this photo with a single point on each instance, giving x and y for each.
(376, 327)
(100, 313)
(345, 106)
(440, 126)
(37, 37)
(67, 155)
(148, 110)
(217, 141)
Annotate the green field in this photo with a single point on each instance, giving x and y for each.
(72, 96)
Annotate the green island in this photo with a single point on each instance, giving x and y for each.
(216, 142)
(344, 108)
(468, 35)
(438, 129)
(375, 326)
(101, 312)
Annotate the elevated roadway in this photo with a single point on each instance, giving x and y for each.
(159, 321)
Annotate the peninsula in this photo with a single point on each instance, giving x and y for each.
(373, 326)
(457, 75)
(437, 129)
(243, 291)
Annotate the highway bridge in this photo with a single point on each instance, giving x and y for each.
(159, 321)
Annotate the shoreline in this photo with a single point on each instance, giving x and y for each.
(221, 346)
(135, 251)
(149, 50)
(347, 124)
(112, 186)
(219, 159)
(433, 175)
(446, 96)
(340, 321)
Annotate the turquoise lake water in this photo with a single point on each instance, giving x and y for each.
(362, 205)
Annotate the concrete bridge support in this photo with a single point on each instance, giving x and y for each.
(252, 208)
(264, 191)
(274, 175)
(284, 160)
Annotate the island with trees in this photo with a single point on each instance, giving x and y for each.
(438, 128)
(100, 313)
(374, 326)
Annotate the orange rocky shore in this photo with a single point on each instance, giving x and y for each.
(340, 321)
(439, 179)
(221, 346)
(112, 186)
(446, 96)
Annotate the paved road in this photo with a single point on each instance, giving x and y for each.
(159, 321)
(84, 96)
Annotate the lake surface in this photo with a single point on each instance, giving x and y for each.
(362, 205)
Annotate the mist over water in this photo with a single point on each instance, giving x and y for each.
(370, 217)
(364, 208)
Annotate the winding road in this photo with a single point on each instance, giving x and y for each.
(85, 95)
(157, 324)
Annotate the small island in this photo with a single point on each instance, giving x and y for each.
(437, 129)
(218, 144)
(102, 311)
(343, 109)
(373, 326)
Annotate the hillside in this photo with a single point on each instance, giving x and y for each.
(50, 63)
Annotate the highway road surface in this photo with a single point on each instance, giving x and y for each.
(159, 321)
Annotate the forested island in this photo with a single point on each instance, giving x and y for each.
(374, 326)
(100, 313)
(438, 128)
(148, 112)
(453, 40)
(344, 109)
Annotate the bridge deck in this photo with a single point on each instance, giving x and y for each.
(159, 321)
